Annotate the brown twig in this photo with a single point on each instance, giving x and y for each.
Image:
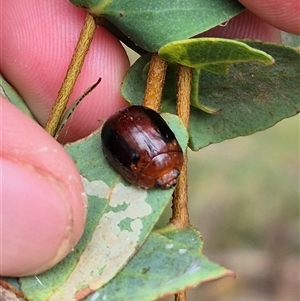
(152, 99)
(184, 93)
(181, 296)
(83, 44)
(155, 82)
(180, 215)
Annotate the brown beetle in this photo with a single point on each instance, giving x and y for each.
(139, 144)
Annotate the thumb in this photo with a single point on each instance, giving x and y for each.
(42, 202)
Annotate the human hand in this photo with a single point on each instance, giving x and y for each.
(282, 15)
(43, 210)
(262, 20)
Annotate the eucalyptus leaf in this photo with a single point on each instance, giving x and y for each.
(169, 261)
(120, 217)
(152, 24)
(252, 97)
(212, 54)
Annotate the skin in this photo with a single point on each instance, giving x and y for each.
(42, 204)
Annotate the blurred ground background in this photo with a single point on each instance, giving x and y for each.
(244, 199)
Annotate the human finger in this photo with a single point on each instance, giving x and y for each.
(37, 42)
(245, 26)
(282, 15)
(42, 197)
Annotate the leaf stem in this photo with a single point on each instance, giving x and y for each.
(180, 215)
(184, 93)
(180, 296)
(83, 44)
(155, 82)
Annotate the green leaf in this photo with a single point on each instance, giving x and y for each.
(252, 97)
(169, 261)
(194, 99)
(212, 54)
(176, 124)
(8, 92)
(152, 24)
(120, 217)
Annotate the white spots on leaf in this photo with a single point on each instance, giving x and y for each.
(182, 251)
(133, 197)
(111, 246)
(95, 188)
(193, 268)
(95, 296)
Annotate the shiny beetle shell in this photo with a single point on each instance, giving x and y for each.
(139, 144)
